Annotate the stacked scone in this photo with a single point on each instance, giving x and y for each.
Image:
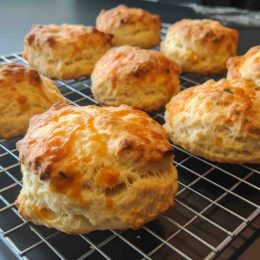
(94, 168)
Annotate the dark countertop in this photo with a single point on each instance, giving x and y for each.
(17, 17)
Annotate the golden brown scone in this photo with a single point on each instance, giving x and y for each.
(24, 93)
(65, 51)
(200, 46)
(130, 26)
(219, 121)
(144, 79)
(95, 168)
(246, 66)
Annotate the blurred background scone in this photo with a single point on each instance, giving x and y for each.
(246, 66)
(65, 51)
(144, 79)
(217, 120)
(130, 26)
(200, 46)
(95, 168)
(24, 93)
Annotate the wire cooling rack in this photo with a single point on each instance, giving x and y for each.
(215, 202)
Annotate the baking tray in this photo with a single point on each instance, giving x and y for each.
(215, 202)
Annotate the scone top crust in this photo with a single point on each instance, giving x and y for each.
(14, 73)
(65, 51)
(200, 46)
(246, 66)
(65, 140)
(217, 120)
(72, 37)
(127, 62)
(144, 79)
(205, 31)
(13, 76)
(122, 15)
(238, 97)
(133, 26)
(24, 93)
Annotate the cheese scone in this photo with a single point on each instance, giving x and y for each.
(200, 46)
(130, 26)
(24, 93)
(95, 168)
(144, 79)
(65, 51)
(219, 121)
(246, 66)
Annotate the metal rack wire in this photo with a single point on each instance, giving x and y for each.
(215, 202)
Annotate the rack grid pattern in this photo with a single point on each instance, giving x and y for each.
(215, 202)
